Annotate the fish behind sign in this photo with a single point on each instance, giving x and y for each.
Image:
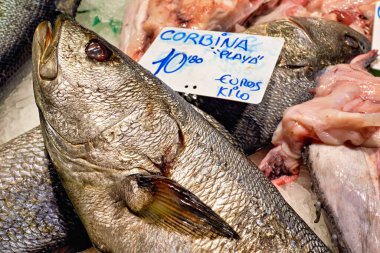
(310, 45)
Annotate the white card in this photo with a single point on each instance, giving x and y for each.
(216, 64)
(376, 36)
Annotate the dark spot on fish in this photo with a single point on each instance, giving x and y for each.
(351, 41)
(97, 51)
(295, 66)
(166, 165)
(318, 211)
(334, 240)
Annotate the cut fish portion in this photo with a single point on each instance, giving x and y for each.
(358, 15)
(345, 110)
(347, 181)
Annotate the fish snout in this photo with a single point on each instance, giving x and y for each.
(45, 44)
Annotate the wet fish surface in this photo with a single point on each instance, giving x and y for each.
(345, 110)
(145, 171)
(18, 20)
(347, 182)
(344, 114)
(310, 45)
(35, 213)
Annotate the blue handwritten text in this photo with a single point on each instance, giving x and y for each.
(225, 54)
(207, 40)
(234, 86)
(174, 61)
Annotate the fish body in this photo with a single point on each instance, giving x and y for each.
(145, 171)
(347, 182)
(36, 214)
(310, 45)
(18, 20)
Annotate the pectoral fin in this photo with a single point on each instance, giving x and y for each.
(166, 203)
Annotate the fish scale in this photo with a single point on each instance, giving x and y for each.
(36, 214)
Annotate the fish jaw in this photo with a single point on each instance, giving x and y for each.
(44, 55)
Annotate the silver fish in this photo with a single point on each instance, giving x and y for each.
(35, 213)
(145, 171)
(347, 183)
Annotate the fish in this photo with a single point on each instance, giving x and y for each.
(18, 20)
(145, 170)
(36, 214)
(346, 179)
(311, 44)
(345, 110)
(342, 124)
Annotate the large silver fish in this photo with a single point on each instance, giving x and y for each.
(146, 171)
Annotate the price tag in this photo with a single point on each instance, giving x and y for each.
(376, 36)
(217, 64)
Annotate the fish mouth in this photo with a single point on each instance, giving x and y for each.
(45, 44)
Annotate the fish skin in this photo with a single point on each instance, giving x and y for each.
(18, 20)
(351, 190)
(310, 45)
(102, 129)
(35, 213)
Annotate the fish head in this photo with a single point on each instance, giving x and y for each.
(96, 104)
(81, 82)
(313, 42)
(84, 89)
(334, 41)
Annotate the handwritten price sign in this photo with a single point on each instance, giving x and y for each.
(216, 64)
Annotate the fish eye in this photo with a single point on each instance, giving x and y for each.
(351, 41)
(97, 51)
